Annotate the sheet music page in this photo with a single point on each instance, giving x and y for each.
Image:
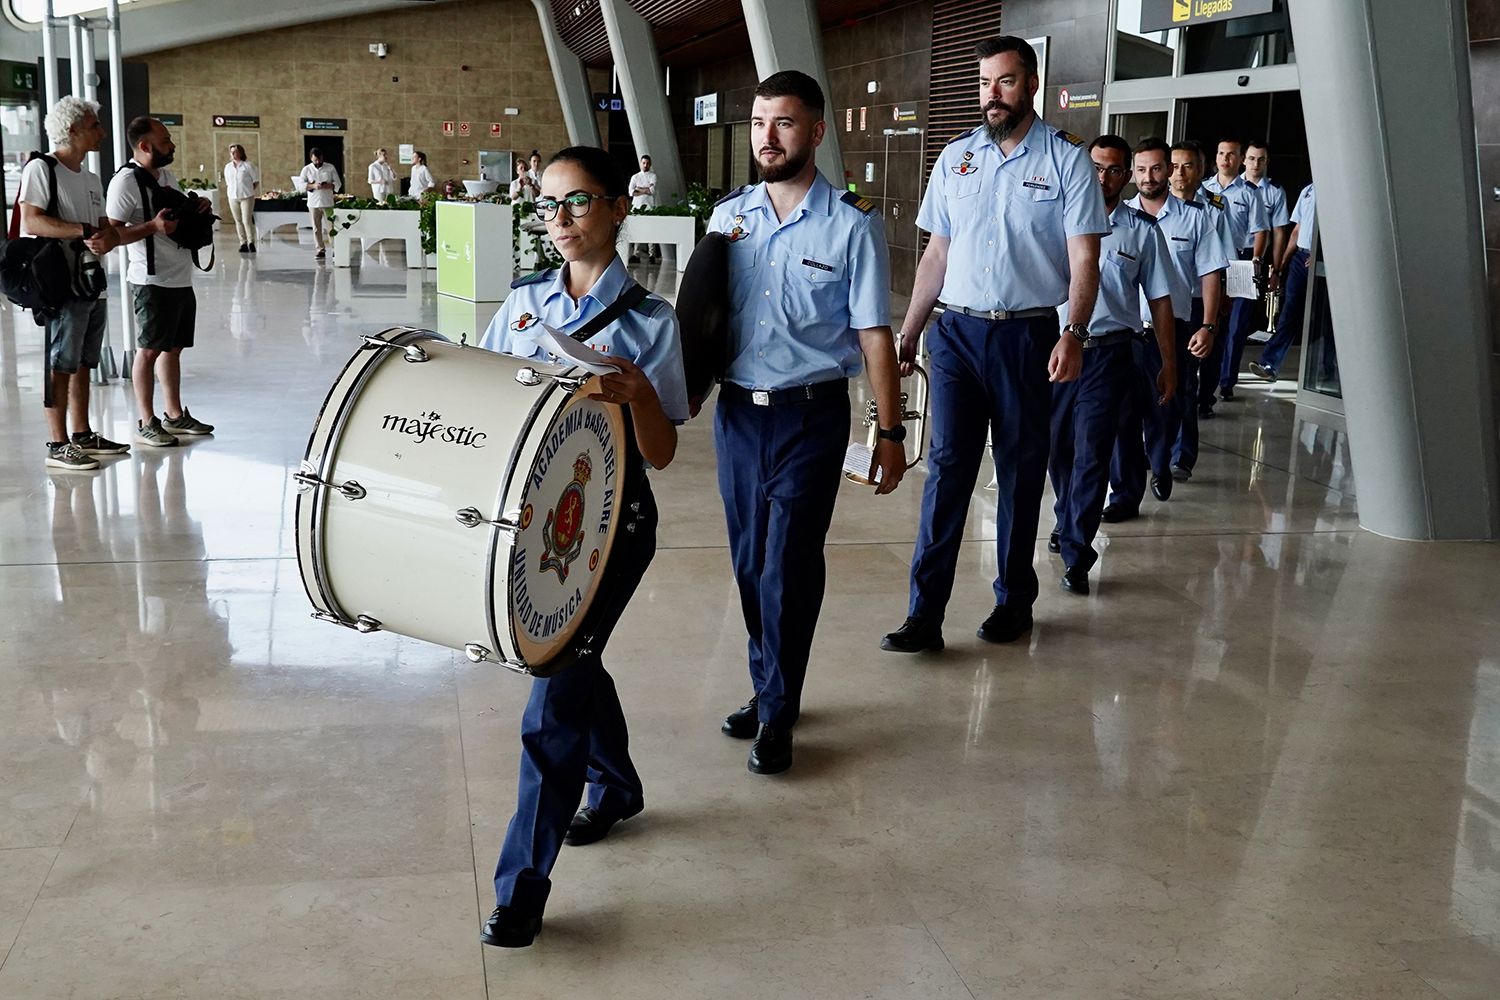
(580, 354)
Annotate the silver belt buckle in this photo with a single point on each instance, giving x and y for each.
(760, 397)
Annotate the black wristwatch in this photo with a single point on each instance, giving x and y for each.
(1211, 327)
(896, 434)
(1078, 330)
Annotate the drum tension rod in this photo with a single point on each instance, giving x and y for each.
(308, 478)
(414, 353)
(481, 654)
(530, 376)
(470, 517)
(364, 624)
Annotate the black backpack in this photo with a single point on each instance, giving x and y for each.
(195, 229)
(43, 273)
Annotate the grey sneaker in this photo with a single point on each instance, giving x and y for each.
(186, 424)
(67, 455)
(154, 434)
(94, 443)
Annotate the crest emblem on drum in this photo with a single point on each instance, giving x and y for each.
(525, 320)
(562, 535)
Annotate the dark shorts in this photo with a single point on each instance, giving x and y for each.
(164, 316)
(76, 334)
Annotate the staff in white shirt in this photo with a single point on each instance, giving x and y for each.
(321, 181)
(241, 187)
(643, 195)
(382, 176)
(421, 177)
(523, 188)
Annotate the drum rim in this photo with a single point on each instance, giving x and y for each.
(396, 336)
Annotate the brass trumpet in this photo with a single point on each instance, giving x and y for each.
(859, 459)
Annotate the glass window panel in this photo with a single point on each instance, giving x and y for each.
(1141, 55)
(1241, 43)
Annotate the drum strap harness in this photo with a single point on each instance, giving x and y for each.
(628, 299)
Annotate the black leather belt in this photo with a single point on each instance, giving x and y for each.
(996, 315)
(1105, 339)
(786, 397)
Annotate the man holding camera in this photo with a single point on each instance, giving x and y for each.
(161, 283)
(76, 334)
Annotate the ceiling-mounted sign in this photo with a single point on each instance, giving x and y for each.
(325, 124)
(236, 121)
(1159, 15)
(22, 77)
(706, 109)
(608, 102)
(170, 121)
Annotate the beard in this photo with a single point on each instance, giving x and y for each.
(789, 167)
(1005, 127)
(1151, 191)
(160, 159)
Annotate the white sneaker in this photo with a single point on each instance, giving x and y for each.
(154, 434)
(69, 456)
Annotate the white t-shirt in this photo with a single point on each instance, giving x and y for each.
(523, 189)
(240, 178)
(326, 174)
(382, 178)
(644, 179)
(421, 179)
(174, 265)
(80, 196)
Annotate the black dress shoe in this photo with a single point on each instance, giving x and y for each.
(244, 248)
(1226, 392)
(252, 248)
(508, 928)
(1054, 543)
(1076, 581)
(1181, 473)
(1205, 413)
(914, 636)
(1005, 624)
(591, 825)
(771, 753)
(1161, 487)
(742, 722)
(1115, 513)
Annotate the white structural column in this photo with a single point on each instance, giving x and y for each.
(1390, 131)
(49, 62)
(786, 34)
(643, 89)
(572, 81)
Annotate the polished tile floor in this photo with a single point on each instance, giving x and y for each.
(1261, 761)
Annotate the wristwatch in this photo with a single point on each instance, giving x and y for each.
(896, 434)
(1078, 330)
(1211, 327)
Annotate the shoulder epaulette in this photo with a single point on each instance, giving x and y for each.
(533, 278)
(1144, 215)
(963, 135)
(733, 194)
(1192, 204)
(1216, 200)
(1070, 138)
(860, 202)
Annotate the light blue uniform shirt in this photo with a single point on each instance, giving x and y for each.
(1132, 263)
(1273, 199)
(1246, 213)
(1304, 215)
(801, 288)
(1196, 246)
(1009, 218)
(646, 335)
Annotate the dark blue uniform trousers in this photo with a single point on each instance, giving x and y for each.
(988, 377)
(573, 730)
(1289, 324)
(779, 474)
(1185, 441)
(1085, 423)
(1149, 431)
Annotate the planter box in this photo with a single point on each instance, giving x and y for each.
(677, 231)
(474, 246)
(269, 219)
(373, 225)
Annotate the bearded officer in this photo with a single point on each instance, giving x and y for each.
(809, 287)
(1016, 217)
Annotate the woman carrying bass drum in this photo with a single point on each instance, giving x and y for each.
(573, 730)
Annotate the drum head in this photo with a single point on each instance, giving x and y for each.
(569, 509)
(703, 315)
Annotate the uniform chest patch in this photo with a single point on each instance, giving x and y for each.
(817, 264)
(1037, 184)
(738, 232)
(524, 321)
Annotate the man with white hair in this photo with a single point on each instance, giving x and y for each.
(61, 200)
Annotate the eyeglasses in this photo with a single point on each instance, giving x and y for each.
(1100, 168)
(578, 205)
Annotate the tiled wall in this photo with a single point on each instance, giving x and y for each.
(1484, 62)
(326, 70)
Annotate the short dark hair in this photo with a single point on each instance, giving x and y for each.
(793, 83)
(1153, 144)
(1191, 146)
(421, 157)
(1258, 143)
(1114, 142)
(139, 127)
(598, 164)
(315, 151)
(645, 156)
(1234, 139)
(1001, 44)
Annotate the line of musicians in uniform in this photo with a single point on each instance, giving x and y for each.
(1071, 322)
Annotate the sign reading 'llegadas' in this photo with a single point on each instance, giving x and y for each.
(1158, 15)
